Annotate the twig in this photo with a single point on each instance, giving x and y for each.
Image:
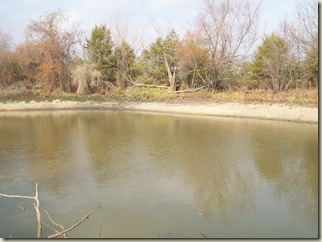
(23, 208)
(56, 224)
(55, 230)
(70, 228)
(203, 235)
(16, 196)
(26, 210)
(99, 230)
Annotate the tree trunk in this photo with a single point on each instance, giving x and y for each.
(172, 77)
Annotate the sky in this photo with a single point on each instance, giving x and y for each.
(16, 14)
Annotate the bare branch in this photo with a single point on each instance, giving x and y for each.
(229, 28)
(39, 222)
(16, 196)
(53, 222)
(26, 210)
(23, 208)
(36, 206)
(99, 229)
(56, 224)
(70, 228)
(146, 85)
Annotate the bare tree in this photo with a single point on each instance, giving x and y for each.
(229, 28)
(302, 37)
(305, 29)
(123, 31)
(4, 42)
(5, 55)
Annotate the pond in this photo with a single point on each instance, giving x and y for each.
(158, 176)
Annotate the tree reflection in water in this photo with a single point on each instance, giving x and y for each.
(223, 163)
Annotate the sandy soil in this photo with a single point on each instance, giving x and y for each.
(258, 111)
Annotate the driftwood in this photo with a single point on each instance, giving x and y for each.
(146, 85)
(190, 90)
(165, 87)
(38, 215)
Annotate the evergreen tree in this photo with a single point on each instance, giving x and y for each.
(124, 59)
(100, 50)
(272, 63)
(153, 61)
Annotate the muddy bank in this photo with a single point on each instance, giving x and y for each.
(258, 111)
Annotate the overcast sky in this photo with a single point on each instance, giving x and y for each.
(16, 14)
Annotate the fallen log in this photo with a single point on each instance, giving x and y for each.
(190, 90)
(146, 85)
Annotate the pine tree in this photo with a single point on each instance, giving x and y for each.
(100, 51)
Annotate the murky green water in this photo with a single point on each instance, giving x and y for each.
(148, 175)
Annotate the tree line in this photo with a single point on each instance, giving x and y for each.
(221, 50)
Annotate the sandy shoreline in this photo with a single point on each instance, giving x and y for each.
(257, 111)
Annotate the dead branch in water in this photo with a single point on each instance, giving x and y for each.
(56, 224)
(43, 223)
(70, 228)
(100, 229)
(36, 206)
(39, 222)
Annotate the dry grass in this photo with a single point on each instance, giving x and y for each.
(148, 94)
(302, 97)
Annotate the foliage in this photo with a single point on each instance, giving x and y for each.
(271, 63)
(99, 48)
(10, 70)
(153, 59)
(311, 62)
(124, 60)
(14, 70)
(146, 93)
(215, 53)
(193, 60)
